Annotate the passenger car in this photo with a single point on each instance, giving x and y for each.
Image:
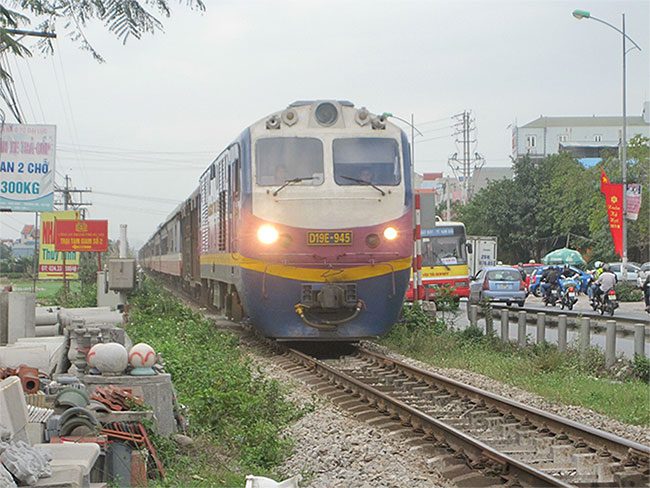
(498, 284)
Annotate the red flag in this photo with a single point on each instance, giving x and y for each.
(614, 201)
(603, 180)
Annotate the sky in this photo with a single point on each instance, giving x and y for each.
(140, 128)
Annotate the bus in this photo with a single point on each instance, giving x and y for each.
(444, 260)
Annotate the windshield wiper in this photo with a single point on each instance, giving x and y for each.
(364, 182)
(292, 180)
(439, 259)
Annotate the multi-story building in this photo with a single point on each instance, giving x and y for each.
(586, 138)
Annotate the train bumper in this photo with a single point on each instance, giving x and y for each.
(270, 301)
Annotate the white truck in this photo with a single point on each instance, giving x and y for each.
(484, 253)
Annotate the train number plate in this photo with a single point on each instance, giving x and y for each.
(329, 238)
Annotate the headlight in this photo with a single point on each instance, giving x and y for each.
(326, 114)
(390, 233)
(267, 234)
(372, 240)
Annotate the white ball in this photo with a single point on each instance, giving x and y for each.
(142, 356)
(108, 358)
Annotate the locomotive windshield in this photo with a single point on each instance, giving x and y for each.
(369, 159)
(283, 158)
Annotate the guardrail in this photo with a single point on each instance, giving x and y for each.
(542, 319)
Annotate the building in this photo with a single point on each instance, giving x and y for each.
(25, 246)
(584, 137)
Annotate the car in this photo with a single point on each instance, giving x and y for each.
(632, 272)
(642, 274)
(536, 276)
(498, 284)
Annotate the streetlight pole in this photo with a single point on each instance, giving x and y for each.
(583, 14)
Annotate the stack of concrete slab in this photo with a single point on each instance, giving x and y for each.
(67, 464)
(43, 353)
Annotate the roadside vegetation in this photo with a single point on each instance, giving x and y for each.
(234, 414)
(567, 378)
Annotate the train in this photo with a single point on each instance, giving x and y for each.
(303, 226)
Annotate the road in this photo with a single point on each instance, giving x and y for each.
(627, 310)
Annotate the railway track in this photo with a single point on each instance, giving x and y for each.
(475, 438)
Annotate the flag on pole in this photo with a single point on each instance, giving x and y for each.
(614, 200)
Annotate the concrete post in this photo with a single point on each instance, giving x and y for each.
(585, 335)
(541, 327)
(610, 344)
(489, 321)
(505, 329)
(473, 315)
(639, 340)
(521, 329)
(561, 332)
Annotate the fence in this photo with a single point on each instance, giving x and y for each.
(541, 319)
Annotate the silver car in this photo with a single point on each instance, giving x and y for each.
(498, 284)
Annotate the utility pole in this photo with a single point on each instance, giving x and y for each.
(465, 167)
(72, 198)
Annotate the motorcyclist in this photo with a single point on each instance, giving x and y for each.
(646, 293)
(598, 270)
(605, 282)
(550, 278)
(522, 272)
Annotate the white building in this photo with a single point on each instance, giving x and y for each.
(584, 137)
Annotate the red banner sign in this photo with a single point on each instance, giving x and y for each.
(81, 235)
(614, 200)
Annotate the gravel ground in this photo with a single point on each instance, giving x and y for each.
(575, 413)
(333, 449)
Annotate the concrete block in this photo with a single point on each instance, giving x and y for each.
(4, 317)
(47, 315)
(54, 351)
(63, 477)
(82, 454)
(34, 356)
(35, 432)
(105, 296)
(157, 391)
(21, 316)
(13, 409)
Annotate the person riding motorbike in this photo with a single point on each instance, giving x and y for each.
(522, 272)
(598, 270)
(550, 279)
(646, 293)
(605, 282)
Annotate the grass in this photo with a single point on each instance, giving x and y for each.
(45, 290)
(566, 378)
(235, 414)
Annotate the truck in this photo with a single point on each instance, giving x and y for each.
(483, 252)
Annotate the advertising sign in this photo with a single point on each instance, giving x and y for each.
(27, 167)
(632, 201)
(81, 235)
(50, 261)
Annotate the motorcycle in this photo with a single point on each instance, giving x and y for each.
(551, 297)
(569, 294)
(605, 302)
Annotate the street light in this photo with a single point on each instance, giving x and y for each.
(584, 14)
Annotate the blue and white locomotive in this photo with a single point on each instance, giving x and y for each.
(303, 224)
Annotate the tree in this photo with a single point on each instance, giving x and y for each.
(124, 18)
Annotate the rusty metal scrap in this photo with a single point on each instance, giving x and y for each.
(116, 398)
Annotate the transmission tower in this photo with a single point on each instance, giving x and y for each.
(464, 168)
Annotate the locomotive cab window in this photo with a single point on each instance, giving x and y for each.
(363, 160)
(279, 159)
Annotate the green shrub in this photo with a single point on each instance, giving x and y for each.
(627, 292)
(226, 400)
(641, 368)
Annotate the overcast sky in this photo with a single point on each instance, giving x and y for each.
(146, 122)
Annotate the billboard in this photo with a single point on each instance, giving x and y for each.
(50, 261)
(81, 235)
(27, 167)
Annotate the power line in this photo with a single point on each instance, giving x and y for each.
(464, 169)
(138, 197)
